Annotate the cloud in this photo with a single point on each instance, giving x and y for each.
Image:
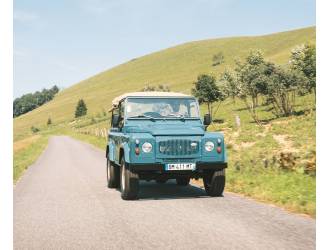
(24, 16)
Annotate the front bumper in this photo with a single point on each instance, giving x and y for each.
(160, 167)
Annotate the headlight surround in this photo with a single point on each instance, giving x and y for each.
(209, 146)
(146, 147)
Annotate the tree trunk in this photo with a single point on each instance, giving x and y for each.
(209, 108)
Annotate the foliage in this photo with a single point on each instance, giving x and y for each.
(282, 87)
(31, 101)
(252, 79)
(49, 121)
(228, 84)
(81, 108)
(35, 129)
(303, 58)
(160, 87)
(207, 91)
(218, 59)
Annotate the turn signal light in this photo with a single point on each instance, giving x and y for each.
(137, 151)
(219, 150)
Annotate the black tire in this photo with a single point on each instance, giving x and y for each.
(129, 182)
(112, 175)
(182, 181)
(161, 181)
(214, 183)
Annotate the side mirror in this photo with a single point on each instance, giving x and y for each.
(207, 119)
(115, 120)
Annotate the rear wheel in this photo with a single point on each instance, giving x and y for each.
(129, 182)
(182, 181)
(112, 175)
(214, 183)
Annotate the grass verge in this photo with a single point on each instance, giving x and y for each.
(290, 190)
(26, 155)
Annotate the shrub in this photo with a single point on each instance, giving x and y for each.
(218, 59)
(35, 129)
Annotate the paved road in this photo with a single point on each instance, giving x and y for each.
(62, 202)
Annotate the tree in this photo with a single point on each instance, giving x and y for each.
(282, 87)
(218, 59)
(252, 78)
(49, 121)
(303, 58)
(81, 108)
(206, 91)
(31, 101)
(228, 83)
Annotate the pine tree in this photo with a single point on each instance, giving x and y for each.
(81, 108)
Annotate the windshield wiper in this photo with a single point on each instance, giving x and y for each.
(142, 116)
(176, 116)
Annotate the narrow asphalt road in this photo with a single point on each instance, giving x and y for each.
(62, 202)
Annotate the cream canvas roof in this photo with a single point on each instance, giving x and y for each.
(116, 100)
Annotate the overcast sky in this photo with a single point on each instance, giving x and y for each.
(65, 41)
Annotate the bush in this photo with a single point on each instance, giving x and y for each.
(35, 129)
(218, 59)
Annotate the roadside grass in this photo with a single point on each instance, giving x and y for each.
(27, 155)
(290, 190)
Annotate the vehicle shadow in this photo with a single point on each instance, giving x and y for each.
(168, 191)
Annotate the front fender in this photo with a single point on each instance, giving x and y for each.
(125, 147)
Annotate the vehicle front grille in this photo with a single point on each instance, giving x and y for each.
(178, 147)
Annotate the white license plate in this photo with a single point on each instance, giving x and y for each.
(180, 166)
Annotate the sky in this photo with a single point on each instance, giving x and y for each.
(65, 41)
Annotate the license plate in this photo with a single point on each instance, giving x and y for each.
(180, 166)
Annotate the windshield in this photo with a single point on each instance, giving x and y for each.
(162, 108)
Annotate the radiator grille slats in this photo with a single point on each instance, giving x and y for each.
(178, 147)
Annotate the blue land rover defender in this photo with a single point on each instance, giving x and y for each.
(160, 136)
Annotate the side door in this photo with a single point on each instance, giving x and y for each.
(113, 138)
(117, 123)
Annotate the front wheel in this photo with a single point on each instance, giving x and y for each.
(214, 183)
(129, 182)
(112, 175)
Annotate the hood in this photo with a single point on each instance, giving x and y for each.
(167, 130)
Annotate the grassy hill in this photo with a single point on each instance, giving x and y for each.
(177, 67)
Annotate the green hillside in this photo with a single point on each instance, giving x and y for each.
(177, 67)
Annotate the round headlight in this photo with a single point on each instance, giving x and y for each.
(147, 147)
(209, 146)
